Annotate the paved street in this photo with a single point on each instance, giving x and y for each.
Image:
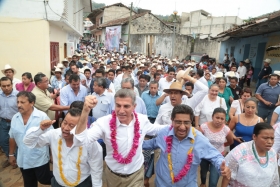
(12, 177)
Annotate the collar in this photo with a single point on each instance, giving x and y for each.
(190, 134)
(272, 86)
(130, 124)
(13, 93)
(72, 89)
(152, 95)
(43, 91)
(35, 113)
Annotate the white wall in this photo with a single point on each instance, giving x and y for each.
(32, 9)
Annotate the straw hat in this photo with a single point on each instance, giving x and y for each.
(141, 66)
(7, 66)
(267, 60)
(218, 75)
(57, 70)
(277, 72)
(247, 61)
(159, 68)
(231, 74)
(182, 74)
(59, 65)
(65, 60)
(175, 86)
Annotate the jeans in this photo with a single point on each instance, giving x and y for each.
(260, 81)
(264, 113)
(206, 166)
(4, 135)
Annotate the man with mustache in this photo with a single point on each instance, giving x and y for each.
(33, 163)
(74, 164)
(8, 107)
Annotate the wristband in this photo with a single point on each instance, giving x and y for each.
(12, 155)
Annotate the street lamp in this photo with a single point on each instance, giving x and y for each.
(175, 12)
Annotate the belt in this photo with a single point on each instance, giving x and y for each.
(119, 174)
(7, 120)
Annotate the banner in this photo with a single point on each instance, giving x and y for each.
(112, 38)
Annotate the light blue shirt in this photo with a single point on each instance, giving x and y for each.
(67, 95)
(56, 84)
(202, 150)
(105, 104)
(140, 106)
(150, 102)
(8, 104)
(277, 111)
(26, 157)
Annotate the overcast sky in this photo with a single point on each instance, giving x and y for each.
(247, 8)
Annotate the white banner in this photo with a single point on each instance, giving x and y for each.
(112, 38)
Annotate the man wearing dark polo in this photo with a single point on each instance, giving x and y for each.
(264, 73)
(268, 94)
(235, 89)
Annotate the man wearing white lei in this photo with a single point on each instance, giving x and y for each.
(74, 164)
(123, 132)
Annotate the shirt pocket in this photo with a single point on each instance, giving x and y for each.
(104, 106)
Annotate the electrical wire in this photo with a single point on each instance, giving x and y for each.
(54, 11)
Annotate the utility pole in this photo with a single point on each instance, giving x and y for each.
(128, 38)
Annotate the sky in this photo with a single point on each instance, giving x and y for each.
(247, 8)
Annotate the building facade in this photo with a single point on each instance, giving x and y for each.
(36, 35)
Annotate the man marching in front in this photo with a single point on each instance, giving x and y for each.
(182, 148)
(74, 164)
(123, 132)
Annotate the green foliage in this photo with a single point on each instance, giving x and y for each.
(169, 18)
(97, 5)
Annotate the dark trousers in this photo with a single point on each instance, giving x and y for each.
(206, 166)
(241, 82)
(85, 183)
(152, 120)
(41, 174)
(4, 135)
(248, 81)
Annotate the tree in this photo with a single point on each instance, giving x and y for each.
(97, 5)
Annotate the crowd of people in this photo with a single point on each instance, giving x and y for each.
(142, 115)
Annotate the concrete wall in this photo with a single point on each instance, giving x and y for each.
(212, 48)
(115, 12)
(27, 50)
(148, 24)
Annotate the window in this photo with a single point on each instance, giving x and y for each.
(101, 20)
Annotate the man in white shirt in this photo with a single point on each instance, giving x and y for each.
(242, 73)
(230, 74)
(74, 163)
(200, 77)
(176, 93)
(123, 133)
(164, 83)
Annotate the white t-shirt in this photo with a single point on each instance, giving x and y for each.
(164, 84)
(206, 107)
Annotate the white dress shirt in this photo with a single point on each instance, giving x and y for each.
(164, 84)
(164, 113)
(140, 106)
(91, 159)
(241, 71)
(203, 80)
(125, 133)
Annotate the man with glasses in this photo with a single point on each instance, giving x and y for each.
(182, 148)
(44, 99)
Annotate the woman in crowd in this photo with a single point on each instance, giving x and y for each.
(244, 123)
(217, 133)
(254, 163)
(225, 93)
(237, 106)
(249, 76)
(212, 101)
(27, 83)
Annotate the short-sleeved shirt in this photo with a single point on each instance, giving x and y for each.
(217, 139)
(268, 93)
(236, 92)
(236, 104)
(44, 101)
